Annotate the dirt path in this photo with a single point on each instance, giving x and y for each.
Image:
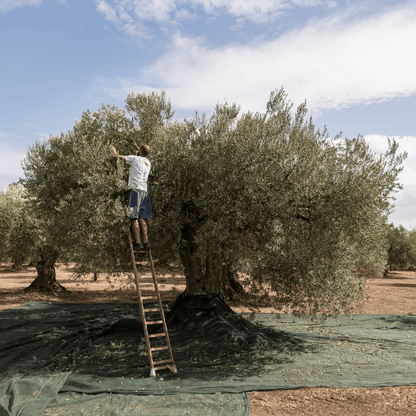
(395, 294)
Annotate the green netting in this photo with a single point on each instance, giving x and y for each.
(91, 358)
(128, 404)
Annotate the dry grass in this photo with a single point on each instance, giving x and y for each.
(395, 294)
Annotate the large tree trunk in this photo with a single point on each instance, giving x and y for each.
(218, 278)
(191, 261)
(46, 278)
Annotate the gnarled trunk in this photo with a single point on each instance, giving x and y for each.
(218, 278)
(46, 278)
(191, 261)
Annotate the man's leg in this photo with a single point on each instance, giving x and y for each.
(143, 226)
(136, 231)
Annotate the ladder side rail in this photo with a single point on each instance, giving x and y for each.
(143, 315)
(165, 328)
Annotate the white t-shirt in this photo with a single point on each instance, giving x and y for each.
(139, 172)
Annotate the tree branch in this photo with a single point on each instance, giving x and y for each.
(301, 217)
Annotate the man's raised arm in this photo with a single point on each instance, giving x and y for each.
(115, 153)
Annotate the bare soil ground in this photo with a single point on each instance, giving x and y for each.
(394, 294)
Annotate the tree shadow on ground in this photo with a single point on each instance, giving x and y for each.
(208, 339)
(209, 342)
(402, 285)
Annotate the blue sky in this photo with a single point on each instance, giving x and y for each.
(353, 61)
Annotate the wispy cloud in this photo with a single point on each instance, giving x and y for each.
(259, 11)
(122, 20)
(335, 62)
(12, 152)
(6, 5)
(126, 14)
(406, 198)
(130, 15)
(10, 159)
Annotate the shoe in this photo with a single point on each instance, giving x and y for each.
(146, 246)
(138, 247)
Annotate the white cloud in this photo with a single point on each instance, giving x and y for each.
(153, 10)
(128, 13)
(6, 5)
(109, 13)
(184, 14)
(116, 88)
(405, 209)
(10, 163)
(157, 10)
(333, 63)
(307, 3)
(259, 11)
(239, 24)
(13, 149)
(134, 26)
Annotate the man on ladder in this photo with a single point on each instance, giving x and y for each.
(140, 207)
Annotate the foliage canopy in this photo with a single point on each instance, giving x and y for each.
(263, 194)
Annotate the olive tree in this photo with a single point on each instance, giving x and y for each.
(18, 233)
(270, 196)
(77, 191)
(263, 194)
(401, 247)
(412, 240)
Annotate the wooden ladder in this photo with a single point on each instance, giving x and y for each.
(171, 367)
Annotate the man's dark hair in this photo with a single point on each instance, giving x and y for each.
(145, 150)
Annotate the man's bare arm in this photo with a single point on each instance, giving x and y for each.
(115, 153)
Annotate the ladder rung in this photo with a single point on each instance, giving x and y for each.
(159, 348)
(156, 310)
(157, 335)
(168, 367)
(162, 361)
(155, 297)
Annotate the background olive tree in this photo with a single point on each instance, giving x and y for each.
(401, 247)
(412, 240)
(264, 194)
(18, 233)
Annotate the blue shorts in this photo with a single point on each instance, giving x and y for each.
(140, 206)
